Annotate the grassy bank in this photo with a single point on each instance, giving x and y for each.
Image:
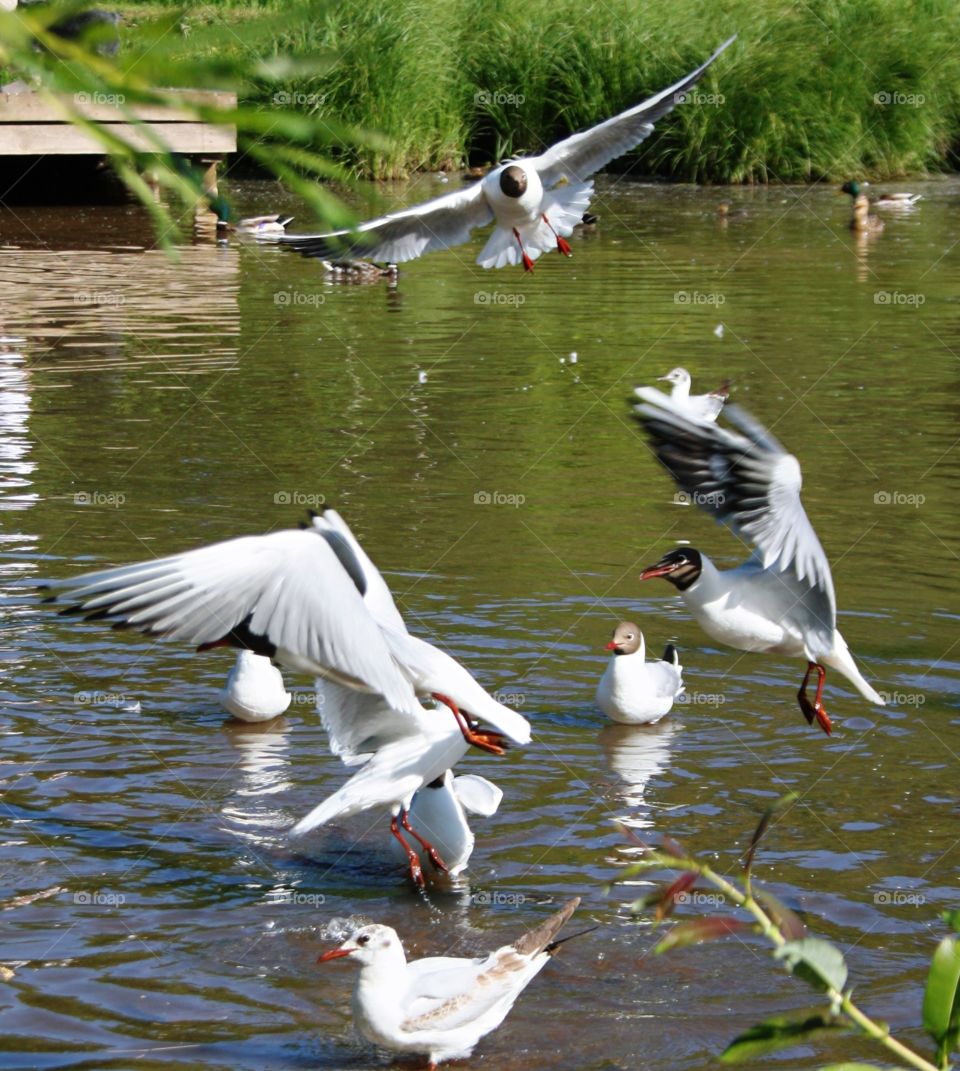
(821, 90)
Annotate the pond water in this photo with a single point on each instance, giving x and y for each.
(154, 912)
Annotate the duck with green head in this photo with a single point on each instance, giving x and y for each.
(863, 221)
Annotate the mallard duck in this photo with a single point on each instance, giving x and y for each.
(898, 199)
(726, 212)
(275, 224)
(863, 222)
(359, 270)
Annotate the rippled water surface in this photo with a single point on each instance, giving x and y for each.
(154, 913)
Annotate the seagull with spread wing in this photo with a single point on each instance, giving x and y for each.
(302, 597)
(780, 600)
(535, 201)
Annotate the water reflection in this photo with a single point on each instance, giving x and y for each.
(16, 464)
(91, 311)
(638, 753)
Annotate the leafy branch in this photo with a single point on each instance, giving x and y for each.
(153, 70)
(817, 961)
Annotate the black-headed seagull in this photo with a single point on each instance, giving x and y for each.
(441, 1006)
(780, 600)
(632, 690)
(535, 201)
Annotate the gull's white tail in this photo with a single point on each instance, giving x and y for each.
(842, 661)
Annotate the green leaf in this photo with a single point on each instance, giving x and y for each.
(762, 825)
(941, 1000)
(698, 930)
(786, 921)
(816, 961)
(952, 919)
(852, 1067)
(777, 1033)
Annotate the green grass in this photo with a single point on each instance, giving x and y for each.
(824, 89)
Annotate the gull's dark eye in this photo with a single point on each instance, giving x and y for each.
(363, 939)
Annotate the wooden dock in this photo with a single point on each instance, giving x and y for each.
(32, 125)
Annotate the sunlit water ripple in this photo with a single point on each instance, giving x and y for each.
(156, 914)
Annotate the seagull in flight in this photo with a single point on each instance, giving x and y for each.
(780, 600)
(535, 201)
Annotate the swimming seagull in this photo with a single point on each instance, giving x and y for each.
(697, 406)
(781, 599)
(535, 201)
(440, 1006)
(254, 689)
(298, 597)
(633, 691)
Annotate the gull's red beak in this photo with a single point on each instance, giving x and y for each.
(660, 569)
(334, 953)
(611, 646)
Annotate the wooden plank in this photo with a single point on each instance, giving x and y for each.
(53, 139)
(34, 108)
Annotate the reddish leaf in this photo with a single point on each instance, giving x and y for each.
(633, 838)
(762, 825)
(786, 921)
(694, 931)
(668, 901)
(674, 848)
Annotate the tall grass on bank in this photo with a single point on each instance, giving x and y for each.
(823, 89)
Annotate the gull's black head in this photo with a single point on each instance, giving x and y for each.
(513, 181)
(682, 567)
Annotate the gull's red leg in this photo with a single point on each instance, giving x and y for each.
(413, 860)
(428, 847)
(563, 246)
(485, 739)
(815, 709)
(527, 262)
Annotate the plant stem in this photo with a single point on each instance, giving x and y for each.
(773, 934)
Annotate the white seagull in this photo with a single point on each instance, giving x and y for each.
(633, 691)
(781, 599)
(440, 1006)
(254, 689)
(536, 201)
(298, 597)
(697, 406)
(439, 810)
(398, 756)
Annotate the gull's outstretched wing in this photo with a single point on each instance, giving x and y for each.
(748, 481)
(405, 235)
(287, 595)
(578, 157)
